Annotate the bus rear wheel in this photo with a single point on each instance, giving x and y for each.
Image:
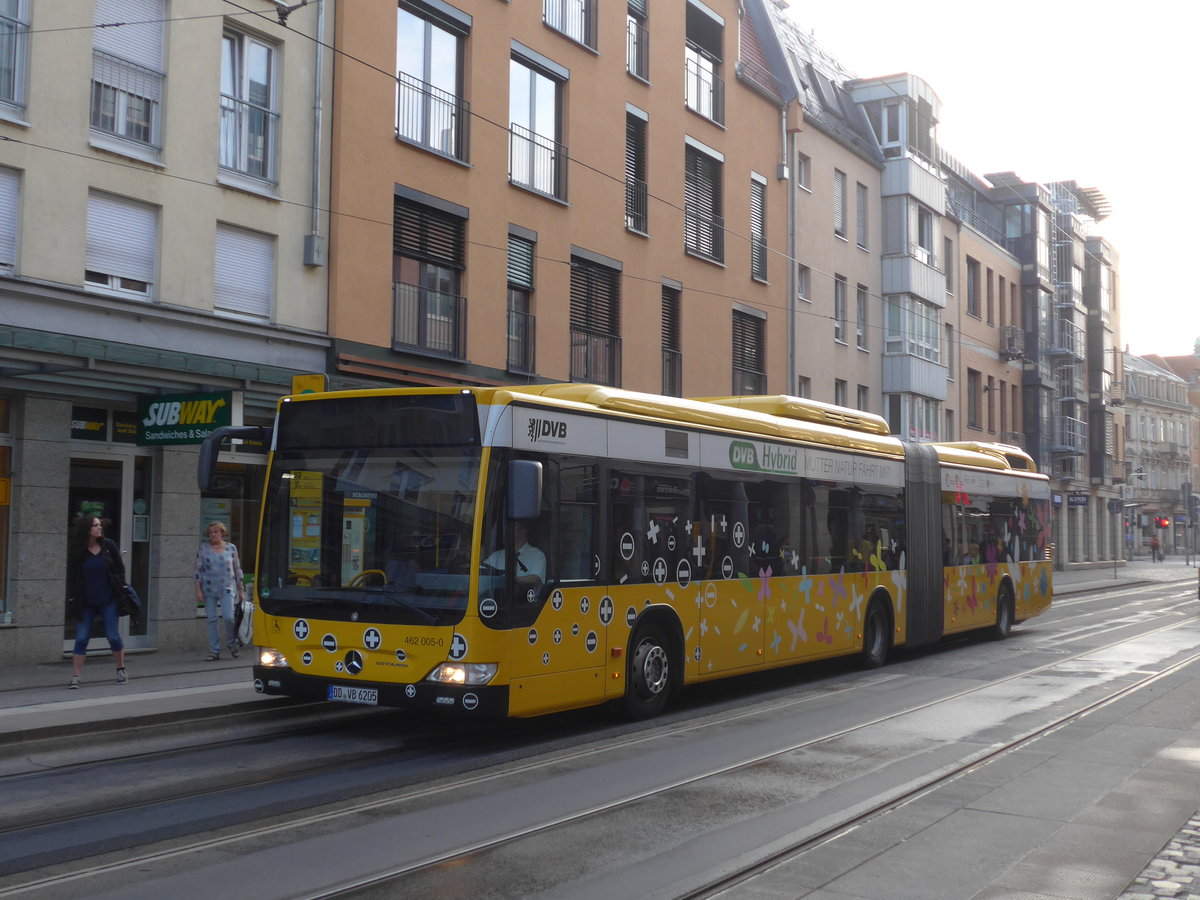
(876, 635)
(1004, 613)
(648, 680)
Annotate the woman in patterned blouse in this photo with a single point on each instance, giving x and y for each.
(219, 584)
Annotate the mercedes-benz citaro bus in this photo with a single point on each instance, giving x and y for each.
(521, 550)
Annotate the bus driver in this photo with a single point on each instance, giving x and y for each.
(531, 562)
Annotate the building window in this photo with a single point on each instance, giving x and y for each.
(574, 18)
(595, 322)
(122, 246)
(637, 205)
(973, 287)
(804, 283)
(839, 392)
(672, 349)
(14, 44)
(923, 246)
(839, 308)
(704, 90)
(536, 159)
(637, 41)
(862, 215)
(749, 352)
(863, 323)
(839, 203)
(430, 109)
(951, 372)
(974, 398)
(991, 298)
(428, 257)
(951, 264)
(249, 120)
(864, 398)
(10, 204)
(803, 386)
(758, 227)
(803, 172)
(912, 327)
(127, 76)
(990, 390)
(244, 274)
(918, 417)
(521, 331)
(703, 222)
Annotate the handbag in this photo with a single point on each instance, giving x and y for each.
(244, 623)
(130, 604)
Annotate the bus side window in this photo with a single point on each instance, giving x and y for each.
(574, 544)
(650, 516)
(726, 520)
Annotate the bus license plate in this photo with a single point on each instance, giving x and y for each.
(369, 696)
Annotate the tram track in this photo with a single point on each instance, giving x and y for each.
(462, 854)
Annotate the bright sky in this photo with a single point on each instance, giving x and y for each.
(1060, 90)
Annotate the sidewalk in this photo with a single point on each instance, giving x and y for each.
(171, 687)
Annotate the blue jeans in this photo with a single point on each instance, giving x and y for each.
(112, 627)
(225, 603)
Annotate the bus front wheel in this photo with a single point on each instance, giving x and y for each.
(875, 636)
(648, 679)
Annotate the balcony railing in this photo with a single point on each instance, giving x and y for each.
(637, 50)
(431, 321)
(248, 138)
(672, 373)
(522, 332)
(1069, 339)
(126, 99)
(431, 117)
(595, 357)
(748, 381)
(574, 18)
(705, 91)
(1012, 342)
(13, 43)
(536, 162)
(704, 235)
(1070, 435)
(637, 205)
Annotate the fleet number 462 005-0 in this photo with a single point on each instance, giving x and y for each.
(369, 696)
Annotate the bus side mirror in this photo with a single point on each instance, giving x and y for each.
(524, 489)
(210, 449)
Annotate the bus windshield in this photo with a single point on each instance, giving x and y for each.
(355, 529)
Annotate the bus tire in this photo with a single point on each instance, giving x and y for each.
(649, 674)
(876, 636)
(1004, 613)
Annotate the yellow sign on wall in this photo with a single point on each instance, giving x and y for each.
(309, 384)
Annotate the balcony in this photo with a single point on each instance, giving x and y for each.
(1070, 435)
(1012, 342)
(428, 321)
(521, 334)
(432, 118)
(595, 357)
(637, 50)
(1069, 340)
(537, 163)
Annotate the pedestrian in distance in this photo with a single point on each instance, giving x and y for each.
(95, 582)
(219, 584)
(1155, 550)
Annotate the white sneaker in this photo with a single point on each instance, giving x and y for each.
(121, 676)
(74, 685)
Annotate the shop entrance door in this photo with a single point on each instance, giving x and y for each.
(114, 487)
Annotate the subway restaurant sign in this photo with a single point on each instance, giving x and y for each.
(182, 418)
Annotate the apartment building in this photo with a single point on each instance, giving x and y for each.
(562, 190)
(1158, 435)
(161, 272)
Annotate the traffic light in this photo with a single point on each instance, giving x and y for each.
(1162, 522)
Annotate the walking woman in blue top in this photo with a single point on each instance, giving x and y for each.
(95, 574)
(218, 584)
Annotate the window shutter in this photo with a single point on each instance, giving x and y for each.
(839, 203)
(10, 187)
(702, 201)
(637, 8)
(635, 148)
(244, 275)
(520, 263)
(862, 215)
(670, 318)
(758, 229)
(595, 298)
(121, 237)
(894, 216)
(139, 37)
(429, 235)
(747, 341)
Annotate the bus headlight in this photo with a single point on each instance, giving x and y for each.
(272, 659)
(463, 673)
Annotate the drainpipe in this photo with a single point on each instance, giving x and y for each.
(790, 254)
(314, 242)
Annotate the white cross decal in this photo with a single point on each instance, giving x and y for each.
(372, 639)
(652, 534)
(699, 552)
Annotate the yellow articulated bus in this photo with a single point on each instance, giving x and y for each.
(521, 550)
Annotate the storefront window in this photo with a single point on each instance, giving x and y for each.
(5, 503)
